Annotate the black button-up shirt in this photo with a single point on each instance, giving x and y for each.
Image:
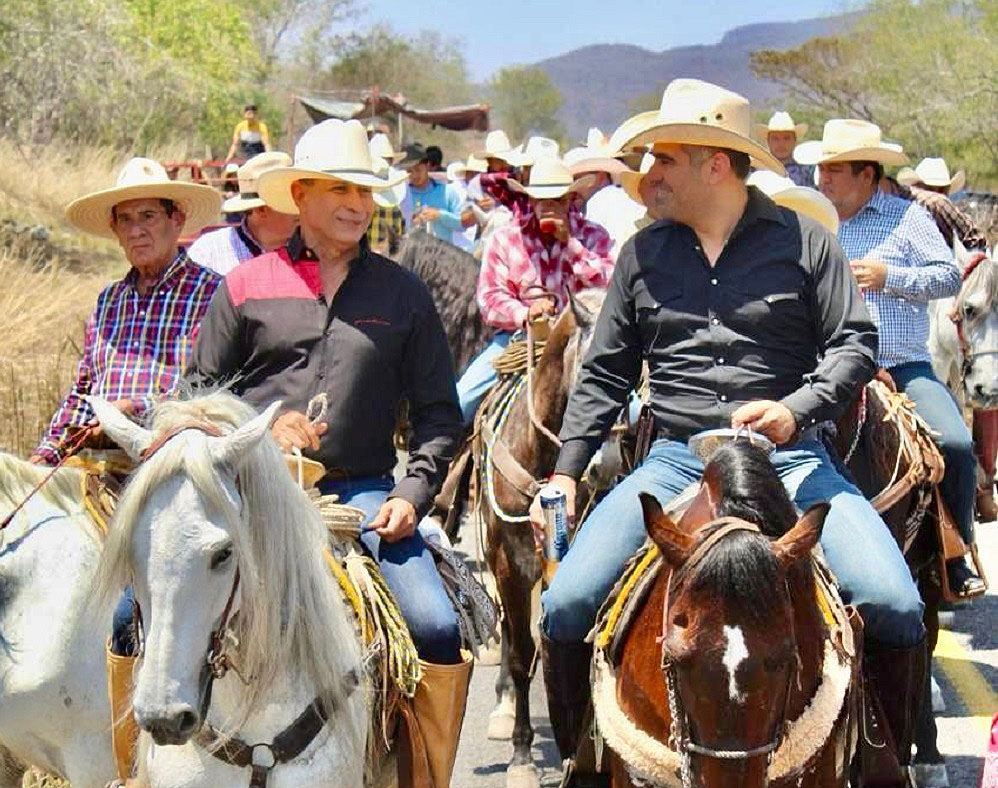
(271, 334)
(777, 317)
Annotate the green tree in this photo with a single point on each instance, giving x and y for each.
(525, 101)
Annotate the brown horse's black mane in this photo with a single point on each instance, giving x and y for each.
(741, 570)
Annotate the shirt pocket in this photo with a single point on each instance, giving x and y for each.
(777, 316)
(662, 316)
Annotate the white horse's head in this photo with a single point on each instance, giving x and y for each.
(196, 510)
(975, 314)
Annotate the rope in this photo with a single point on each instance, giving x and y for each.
(514, 358)
(531, 363)
(502, 408)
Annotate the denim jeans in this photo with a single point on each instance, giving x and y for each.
(480, 376)
(934, 403)
(124, 642)
(856, 542)
(409, 570)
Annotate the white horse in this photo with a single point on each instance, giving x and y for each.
(209, 524)
(54, 710)
(969, 366)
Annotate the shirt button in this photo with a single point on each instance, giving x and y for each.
(720, 360)
(714, 321)
(713, 281)
(723, 398)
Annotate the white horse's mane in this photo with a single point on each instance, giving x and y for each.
(292, 620)
(19, 477)
(984, 278)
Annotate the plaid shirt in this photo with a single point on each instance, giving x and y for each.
(136, 346)
(920, 268)
(801, 174)
(386, 229)
(508, 269)
(950, 220)
(222, 250)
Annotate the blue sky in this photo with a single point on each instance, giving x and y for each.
(502, 32)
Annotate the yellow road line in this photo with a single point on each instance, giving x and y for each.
(977, 695)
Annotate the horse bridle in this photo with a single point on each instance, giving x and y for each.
(681, 740)
(956, 316)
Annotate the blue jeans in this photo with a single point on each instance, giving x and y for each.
(480, 376)
(123, 625)
(409, 570)
(934, 403)
(857, 544)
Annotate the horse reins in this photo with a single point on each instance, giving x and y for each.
(966, 360)
(682, 741)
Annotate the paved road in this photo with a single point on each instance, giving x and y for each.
(966, 667)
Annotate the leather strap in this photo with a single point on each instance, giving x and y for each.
(508, 466)
(194, 424)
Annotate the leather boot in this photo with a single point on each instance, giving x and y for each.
(124, 729)
(987, 511)
(566, 680)
(897, 676)
(439, 706)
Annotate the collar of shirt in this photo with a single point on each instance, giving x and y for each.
(175, 267)
(299, 252)
(875, 204)
(243, 231)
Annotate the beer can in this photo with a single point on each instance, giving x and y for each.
(554, 504)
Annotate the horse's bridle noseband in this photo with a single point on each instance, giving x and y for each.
(966, 356)
(680, 730)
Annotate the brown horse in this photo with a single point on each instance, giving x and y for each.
(730, 674)
(505, 501)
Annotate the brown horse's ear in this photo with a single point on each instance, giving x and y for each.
(585, 318)
(674, 543)
(799, 541)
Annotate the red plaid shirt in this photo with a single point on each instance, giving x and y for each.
(136, 346)
(515, 259)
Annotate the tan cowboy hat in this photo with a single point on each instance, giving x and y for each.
(780, 121)
(619, 142)
(381, 147)
(535, 150)
(497, 146)
(630, 180)
(334, 150)
(145, 179)
(801, 199)
(933, 172)
(694, 112)
(550, 179)
(390, 198)
(848, 139)
(249, 173)
(594, 156)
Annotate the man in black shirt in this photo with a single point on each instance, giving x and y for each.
(747, 314)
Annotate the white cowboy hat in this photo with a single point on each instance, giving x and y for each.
(780, 121)
(848, 139)
(630, 180)
(536, 149)
(381, 147)
(144, 179)
(459, 169)
(801, 199)
(594, 156)
(334, 150)
(694, 112)
(249, 173)
(933, 172)
(550, 179)
(497, 146)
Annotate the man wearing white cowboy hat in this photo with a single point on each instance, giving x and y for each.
(260, 229)
(459, 176)
(387, 224)
(325, 315)
(782, 135)
(930, 185)
(746, 315)
(552, 247)
(901, 262)
(496, 151)
(140, 333)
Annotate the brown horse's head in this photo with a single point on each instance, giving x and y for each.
(728, 640)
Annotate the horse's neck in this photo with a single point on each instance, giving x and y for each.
(534, 450)
(285, 699)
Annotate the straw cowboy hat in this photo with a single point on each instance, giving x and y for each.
(145, 179)
(334, 150)
(497, 146)
(392, 197)
(249, 173)
(535, 149)
(381, 147)
(459, 169)
(594, 156)
(550, 179)
(694, 112)
(780, 121)
(801, 199)
(630, 180)
(847, 139)
(933, 172)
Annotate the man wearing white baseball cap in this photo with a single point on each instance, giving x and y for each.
(260, 229)
(325, 315)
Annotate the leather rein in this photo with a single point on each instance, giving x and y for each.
(680, 736)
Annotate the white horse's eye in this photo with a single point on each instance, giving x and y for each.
(969, 310)
(221, 557)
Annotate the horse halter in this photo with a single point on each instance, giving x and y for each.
(681, 740)
(956, 316)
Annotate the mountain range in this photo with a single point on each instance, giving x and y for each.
(599, 82)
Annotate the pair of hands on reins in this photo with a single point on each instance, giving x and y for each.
(395, 520)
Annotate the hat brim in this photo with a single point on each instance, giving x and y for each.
(909, 177)
(630, 182)
(711, 136)
(391, 198)
(598, 164)
(274, 186)
(762, 130)
(553, 191)
(92, 213)
(239, 204)
(811, 152)
(810, 203)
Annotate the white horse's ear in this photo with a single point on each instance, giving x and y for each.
(132, 437)
(960, 252)
(232, 449)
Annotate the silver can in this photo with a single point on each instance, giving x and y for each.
(554, 504)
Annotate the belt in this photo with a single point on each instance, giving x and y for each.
(813, 433)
